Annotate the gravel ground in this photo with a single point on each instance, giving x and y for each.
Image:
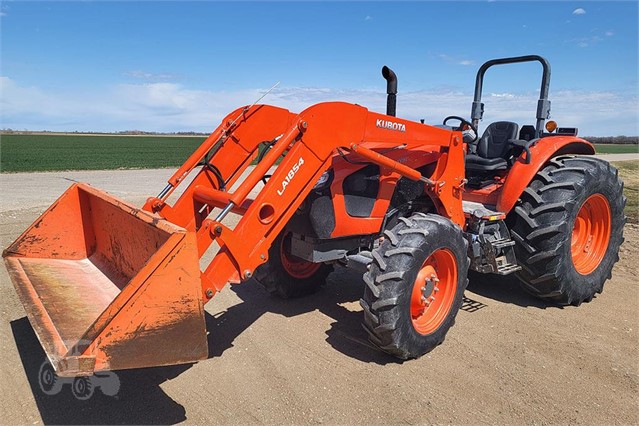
(619, 157)
(509, 359)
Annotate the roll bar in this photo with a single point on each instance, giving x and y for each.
(543, 104)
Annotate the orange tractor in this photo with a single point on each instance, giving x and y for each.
(109, 286)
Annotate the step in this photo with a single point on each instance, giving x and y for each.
(483, 211)
(503, 243)
(508, 269)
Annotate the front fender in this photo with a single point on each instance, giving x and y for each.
(521, 173)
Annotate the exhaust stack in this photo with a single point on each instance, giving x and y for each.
(391, 90)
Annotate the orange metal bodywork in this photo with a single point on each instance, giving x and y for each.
(521, 173)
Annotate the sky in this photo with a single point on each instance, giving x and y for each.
(182, 66)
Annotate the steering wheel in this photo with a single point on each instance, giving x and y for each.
(462, 122)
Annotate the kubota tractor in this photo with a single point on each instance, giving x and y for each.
(109, 286)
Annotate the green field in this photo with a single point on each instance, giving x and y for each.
(629, 173)
(24, 153)
(616, 148)
(21, 153)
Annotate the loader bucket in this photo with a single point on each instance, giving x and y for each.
(107, 286)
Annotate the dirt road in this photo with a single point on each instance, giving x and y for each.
(618, 157)
(509, 359)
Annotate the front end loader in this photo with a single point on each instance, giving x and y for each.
(109, 286)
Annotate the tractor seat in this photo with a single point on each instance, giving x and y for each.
(527, 133)
(492, 149)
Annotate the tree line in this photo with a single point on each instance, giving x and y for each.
(624, 140)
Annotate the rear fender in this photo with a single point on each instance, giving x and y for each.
(521, 174)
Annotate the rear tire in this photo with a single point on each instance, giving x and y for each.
(415, 285)
(568, 226)
(287, 276)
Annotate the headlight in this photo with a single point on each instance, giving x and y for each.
(323, 180)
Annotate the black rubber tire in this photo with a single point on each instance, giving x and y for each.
(278, 282)
(390, 279)
(542, 223)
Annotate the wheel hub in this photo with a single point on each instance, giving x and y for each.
(294, 266)
(433, 291)
(429, 289)
(591, 234)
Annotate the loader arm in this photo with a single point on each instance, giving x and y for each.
(308, 141)
(229, 150)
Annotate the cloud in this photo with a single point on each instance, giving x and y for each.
(170, 107)
(368, 18)
(150, 76)
(579, 11)
(585, 41)
(609, 33)
(455, 60)
(3, 13)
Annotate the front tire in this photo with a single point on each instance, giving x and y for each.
(415, 285)
(568, 226)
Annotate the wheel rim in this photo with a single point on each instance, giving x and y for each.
(591, 234)
(294, 266)
(433, 291)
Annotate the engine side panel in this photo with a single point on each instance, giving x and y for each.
(360, 191)
(349, 220)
